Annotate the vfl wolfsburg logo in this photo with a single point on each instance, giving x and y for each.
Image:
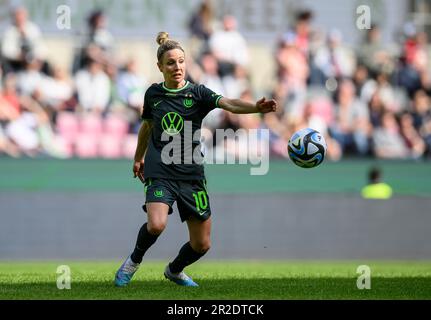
(172, 123)
(158, 193)
(188, 101)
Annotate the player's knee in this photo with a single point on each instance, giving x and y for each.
(205, 247)
(156, 228)
(202, 246)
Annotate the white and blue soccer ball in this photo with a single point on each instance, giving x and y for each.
(307, 148)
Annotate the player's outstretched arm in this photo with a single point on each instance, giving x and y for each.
(141, 148)
(242, 106)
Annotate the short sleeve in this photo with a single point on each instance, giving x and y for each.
(146, 112)
(208, 98)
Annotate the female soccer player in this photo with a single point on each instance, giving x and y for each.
(168, 108)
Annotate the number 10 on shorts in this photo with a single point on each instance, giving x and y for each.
(201, 200)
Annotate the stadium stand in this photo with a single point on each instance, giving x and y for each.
(368, 101)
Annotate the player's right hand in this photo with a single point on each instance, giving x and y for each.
(138, 170)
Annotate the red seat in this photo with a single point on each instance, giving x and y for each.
(86, 145)
(110, 146)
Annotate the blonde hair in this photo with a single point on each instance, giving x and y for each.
(166, 44)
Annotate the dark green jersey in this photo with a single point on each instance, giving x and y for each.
(176, 116)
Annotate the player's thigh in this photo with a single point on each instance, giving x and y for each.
(157, 216)
(160, 196)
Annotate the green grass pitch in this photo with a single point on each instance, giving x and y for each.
(259, 280)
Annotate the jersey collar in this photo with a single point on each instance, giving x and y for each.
(175, 90)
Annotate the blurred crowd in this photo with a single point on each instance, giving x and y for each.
(91, 110)
(370, 101)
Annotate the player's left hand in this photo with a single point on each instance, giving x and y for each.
(265, 106)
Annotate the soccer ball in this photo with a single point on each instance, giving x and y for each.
(307, 148)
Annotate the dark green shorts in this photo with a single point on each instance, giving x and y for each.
(191, 196)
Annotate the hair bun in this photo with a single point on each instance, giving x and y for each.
(162, 37)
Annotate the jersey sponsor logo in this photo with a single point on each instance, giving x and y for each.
(172, 123)
(158, 193)
(157, 103)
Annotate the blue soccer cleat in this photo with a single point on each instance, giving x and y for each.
(126, 272)
(179, 278)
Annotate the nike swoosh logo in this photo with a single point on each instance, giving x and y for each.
(157, 103)
(202, 213)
